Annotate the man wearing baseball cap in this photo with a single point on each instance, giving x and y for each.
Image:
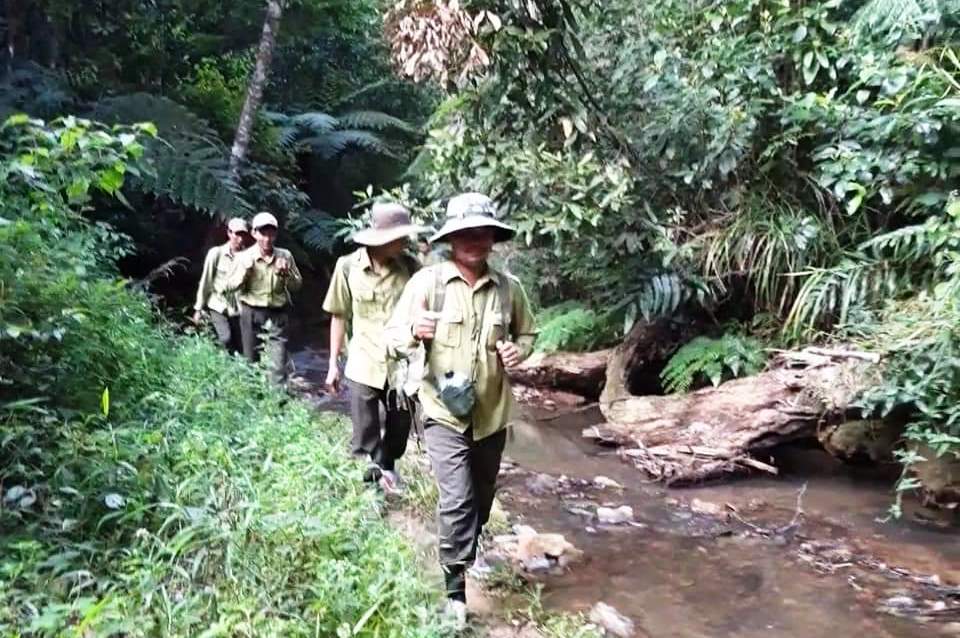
(365, 286)
(263, 277)
(475, 322)
(224, 312)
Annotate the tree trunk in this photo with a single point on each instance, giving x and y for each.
(577, 373)
(705, 434)
(255, 91)
(634, 366)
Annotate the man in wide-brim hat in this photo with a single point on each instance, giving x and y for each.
(475, 323)
(365, 286)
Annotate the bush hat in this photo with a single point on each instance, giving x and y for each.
(388, 222)
(472, 210)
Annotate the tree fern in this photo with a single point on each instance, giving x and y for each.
(706, 359)
(329, 137)
(318, 229)
(188, 164)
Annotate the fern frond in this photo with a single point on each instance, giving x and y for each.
(173, 120)
(376, 121)
(188, 164)
(337, 142)
(319, 230)
(704, 358)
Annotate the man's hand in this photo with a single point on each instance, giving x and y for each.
(283, 266)
(197, 316)
(332, 384)
(509, 353)
(425, 326)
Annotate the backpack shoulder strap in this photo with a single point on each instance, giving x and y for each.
(439, 292)
(505, 293)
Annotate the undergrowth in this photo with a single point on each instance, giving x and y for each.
(152, 485)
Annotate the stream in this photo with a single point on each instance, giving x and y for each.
(717, 560)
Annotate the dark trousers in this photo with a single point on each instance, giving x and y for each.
(265, 329)
(228, 331)
(365, 402)
(466, 474)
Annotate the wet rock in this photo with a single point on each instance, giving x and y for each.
(899, 602)
(604, 482)
(542, 484)
(707, 508)
(615, 516)
(541, 552)
(870, 441)
(612, 621)
(939, 475)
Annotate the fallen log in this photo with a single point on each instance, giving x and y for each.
(577, 373)
(681, 439)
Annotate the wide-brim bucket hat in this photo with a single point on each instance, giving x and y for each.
(388, 222)
(472, 210)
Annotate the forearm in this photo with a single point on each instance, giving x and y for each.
(338, 333)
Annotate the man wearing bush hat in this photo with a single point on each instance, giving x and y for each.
(363, 291)
(224, 312)
(475, 323)
(263, 277)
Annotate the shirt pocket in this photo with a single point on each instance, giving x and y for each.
(365, 302)
(450, 328)
(496, 331)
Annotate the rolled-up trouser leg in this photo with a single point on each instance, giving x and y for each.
(365, 415)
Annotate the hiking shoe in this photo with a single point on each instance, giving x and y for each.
(390, 483)
(481, 569)
(372, 474)
(454, 615)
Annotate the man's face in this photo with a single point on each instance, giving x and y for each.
(238, 239)
(471, 247)
(394, 248)
(265, 236)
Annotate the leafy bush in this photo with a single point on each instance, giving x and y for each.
(151, 484)
(705, 359)
(573, 328)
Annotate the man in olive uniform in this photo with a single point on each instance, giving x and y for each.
(223, 310)
(263, 277)
(475, 323)
(365, 286)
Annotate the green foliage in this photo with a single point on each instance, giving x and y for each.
(572, 328)
(188, 164)
(714, 360)
(153, 485)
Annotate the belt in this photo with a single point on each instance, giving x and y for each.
(282, 308)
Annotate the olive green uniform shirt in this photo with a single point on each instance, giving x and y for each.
(257, 282)
(470, 324)
(211, 292)
(365, 299)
